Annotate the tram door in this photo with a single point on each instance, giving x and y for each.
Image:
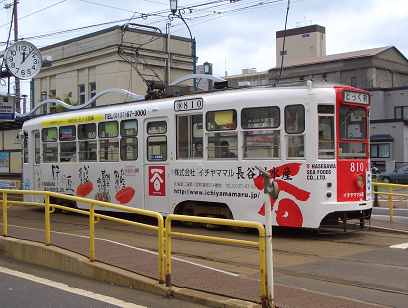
(156, 167)
(36, 160)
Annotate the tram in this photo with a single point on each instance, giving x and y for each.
(199, 154)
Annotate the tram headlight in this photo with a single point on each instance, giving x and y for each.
(359, 181)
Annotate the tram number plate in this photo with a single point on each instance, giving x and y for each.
(188, 104)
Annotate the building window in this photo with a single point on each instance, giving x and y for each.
(353, 81)
(81, 94)
(43, 97)
(401, 112)
(380, 150)
(53, 106)
(92, 92)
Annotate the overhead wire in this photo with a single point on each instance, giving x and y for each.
(38, 11)
(220, 14)
(8, 39)
(283, 44)
(142, 15)
(156, 14)
(118, 8)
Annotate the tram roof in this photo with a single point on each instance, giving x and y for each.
(163, 103)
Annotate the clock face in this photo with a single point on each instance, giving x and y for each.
(23, 60)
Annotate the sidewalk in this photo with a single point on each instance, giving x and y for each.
(380, 217)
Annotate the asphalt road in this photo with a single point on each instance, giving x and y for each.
(358, 264)
(26, 285)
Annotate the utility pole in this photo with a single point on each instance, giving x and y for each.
(17, 80)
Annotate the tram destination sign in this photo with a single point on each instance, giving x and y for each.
(355, 97)
(188, 104)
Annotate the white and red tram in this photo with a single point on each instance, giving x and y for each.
(198, 154)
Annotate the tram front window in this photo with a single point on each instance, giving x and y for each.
(353, 132)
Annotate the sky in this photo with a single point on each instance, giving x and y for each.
(230, 34)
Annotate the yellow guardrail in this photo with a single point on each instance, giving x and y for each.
(49, 208)
(261, 244)
(165, 233)
(388, 191)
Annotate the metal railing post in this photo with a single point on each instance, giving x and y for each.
(168, 252)
(375, 189)
(47, 220)
(271, 190)
(161, 249)
(390, 204)
(5, 220)
(262, 268)
(92, 233)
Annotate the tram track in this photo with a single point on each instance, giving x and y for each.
(344, 282)
(228, 233)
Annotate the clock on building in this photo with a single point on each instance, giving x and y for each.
(23, 60)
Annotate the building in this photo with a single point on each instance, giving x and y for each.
(205, 68)
(389, 127)
(10, 145)
(126, 57)
(302, 45)
(384, 67)
(249, 77)
(383, 71)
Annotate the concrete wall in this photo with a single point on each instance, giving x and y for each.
(377, 109)
(397, 131)
(301, 48)
(383, 103)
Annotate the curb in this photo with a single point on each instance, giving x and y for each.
(387, 230)
(60, 259)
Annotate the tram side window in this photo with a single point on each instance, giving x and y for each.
(108, 141)
(326, 131)
(261, 136)
(128, 142)
(157, 141)
(25, 148)
(37, 148)
(67, 137)
(222, 138)
(190, 137)
(295, 127)
(87, 142)
(50, 145)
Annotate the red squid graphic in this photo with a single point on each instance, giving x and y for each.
(288, 213)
